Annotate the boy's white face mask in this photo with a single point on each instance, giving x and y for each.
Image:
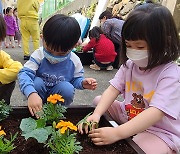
(139, 57)
(54, 59)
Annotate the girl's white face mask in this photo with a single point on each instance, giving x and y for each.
(139, 57)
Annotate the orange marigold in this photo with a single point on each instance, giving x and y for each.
(64, 125)
(55, 98)
(2, 132)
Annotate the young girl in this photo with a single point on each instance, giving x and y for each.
(11, 27)
(104, 52)
(149, 82)
(17, 33)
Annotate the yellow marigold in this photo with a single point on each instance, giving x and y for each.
(64, 125)
(55, 98)
(2, 132)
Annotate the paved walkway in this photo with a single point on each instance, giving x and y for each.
(82, 97)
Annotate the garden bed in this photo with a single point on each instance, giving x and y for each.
(74, 114)
(85, 57)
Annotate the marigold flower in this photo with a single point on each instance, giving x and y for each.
(2, 132)
(55, 98)
(64, 125)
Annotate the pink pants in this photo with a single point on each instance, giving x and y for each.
(148, 142)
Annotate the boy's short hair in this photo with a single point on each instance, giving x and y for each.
(61, 32)
(2, 28)
(154, 24)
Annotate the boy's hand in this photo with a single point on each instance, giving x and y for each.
(104, 135)
(89, 83)
(34, 104)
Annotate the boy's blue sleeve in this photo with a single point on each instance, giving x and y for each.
(78, 72)
(27, 74)
(77, 82)
(26, 77)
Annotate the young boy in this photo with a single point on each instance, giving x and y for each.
(8, 68)
(53, 68)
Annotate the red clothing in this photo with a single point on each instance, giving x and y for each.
(132, 111)
(104, 49)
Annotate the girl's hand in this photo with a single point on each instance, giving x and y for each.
(89, 83)
(34, 104)
(93, 118)
(103, 136)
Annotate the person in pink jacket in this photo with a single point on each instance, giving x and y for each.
(11, 27)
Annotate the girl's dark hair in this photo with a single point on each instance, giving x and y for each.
(61, 32)
(15, 9)
(154, 24)
(4, 11)
(95, 32)
(2, 28)
(106, 14)
(8, 9)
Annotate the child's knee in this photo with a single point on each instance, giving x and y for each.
(96, 100)
(151, 143)
(67, 91)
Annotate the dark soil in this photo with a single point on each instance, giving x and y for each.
(31, 146)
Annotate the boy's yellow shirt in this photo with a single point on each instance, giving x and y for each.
(8, 68)
(28, 8)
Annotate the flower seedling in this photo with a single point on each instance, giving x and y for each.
(36, 129)
(6, 146)
(53, 110)
(64, 140)
(4, 110)
(61, 141)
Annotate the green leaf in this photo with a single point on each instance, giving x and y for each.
(4, 110)
(28, 125)
(40, 134)
(53, 112)
(6, 146)
(41, 123)
(84, 120)
(49, 129)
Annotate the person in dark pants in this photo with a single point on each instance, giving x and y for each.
(8, 68)
(112, 27)
(6, 91)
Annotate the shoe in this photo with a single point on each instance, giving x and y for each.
(95, 67)
(19, 45)
(109, 68)
(26, 57)
(13, 46)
